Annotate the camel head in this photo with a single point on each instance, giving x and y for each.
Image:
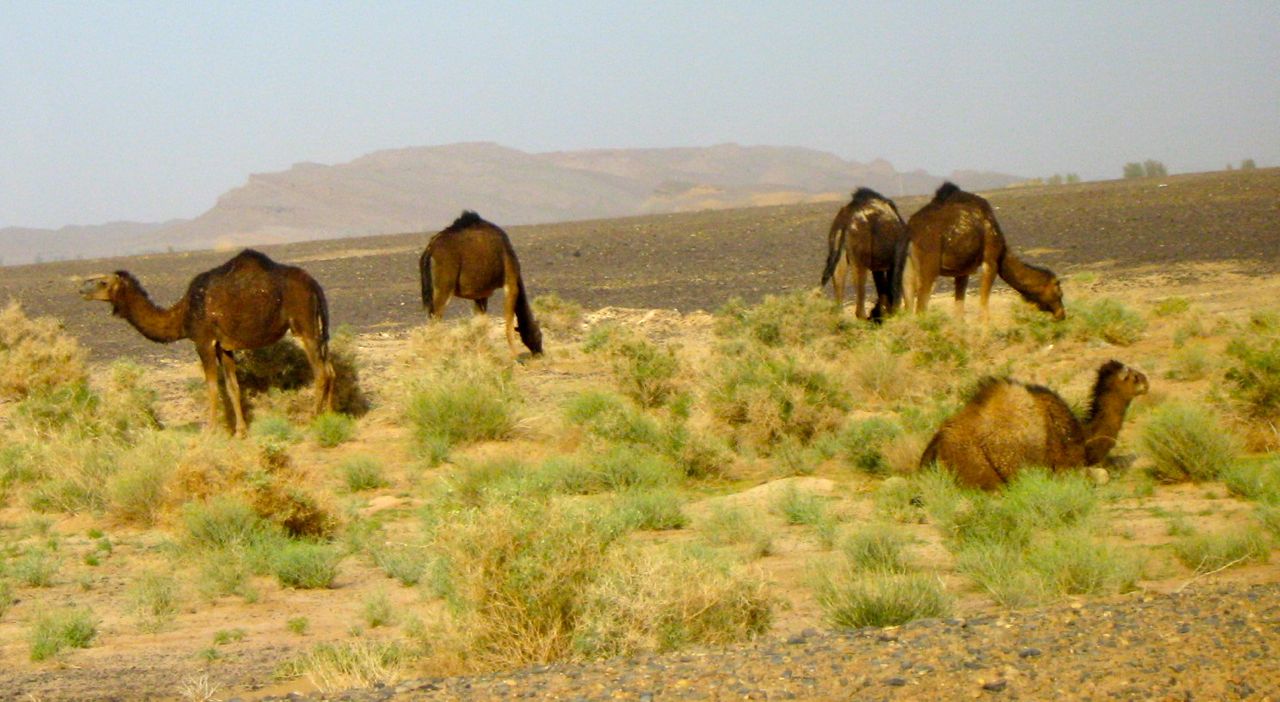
(1115, 377)
(100, 287)
(1050, 300)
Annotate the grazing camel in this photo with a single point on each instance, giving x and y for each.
(955, 235)
(471, 259)
(1008, 426)
(246, 303)
(863, 236)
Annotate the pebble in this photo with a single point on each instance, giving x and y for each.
(995, 685)
(1029, 652)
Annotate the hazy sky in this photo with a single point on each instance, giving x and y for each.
(148, 111)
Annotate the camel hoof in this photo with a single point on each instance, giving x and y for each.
(1100, 476)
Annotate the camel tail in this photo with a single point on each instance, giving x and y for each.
(835, 251)
(322, 323)
(424, 272)
(526, 325)
(930, 455)
(898, 271)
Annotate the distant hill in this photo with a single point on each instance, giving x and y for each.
(424, 188)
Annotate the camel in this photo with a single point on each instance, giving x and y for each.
(1008, 426)
(246, 303)
(954, 235)
(863, 236)
(471, 259)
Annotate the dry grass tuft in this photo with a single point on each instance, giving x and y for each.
(36, 355)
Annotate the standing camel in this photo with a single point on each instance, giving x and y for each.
(246, 303)
(863, 236)
(1008, 426)
(955, 235)
(471, 259)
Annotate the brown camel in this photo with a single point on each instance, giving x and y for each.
(1008, 426)
(246, 303)
(471, 259)
(863, 236)
(954, 235)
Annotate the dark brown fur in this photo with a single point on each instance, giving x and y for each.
(472, 258)
(1008, 426)
(863, 237)
(955, 235)
(246, 303)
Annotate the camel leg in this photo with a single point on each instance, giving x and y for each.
(859, 290)
(482, 305)
(837, 281)
(984, 291)
(322, 371)
(439, 300)
(228, 362)
(881, 280)
(924, 288)
(209, 364)
(962, 282)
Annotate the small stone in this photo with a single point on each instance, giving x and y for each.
(995, 685)
(895, 682)
(1029, 652)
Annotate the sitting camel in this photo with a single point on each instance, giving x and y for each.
(471, 259)
(863, 236)
(246, 303)
(955, 235)
(1008, 426)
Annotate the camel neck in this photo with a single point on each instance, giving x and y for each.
(1103, 427)
(154, 322)
(1017, 274)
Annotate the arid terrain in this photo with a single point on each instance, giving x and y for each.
(1191, 262)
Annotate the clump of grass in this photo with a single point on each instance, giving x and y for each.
(139, 491)
(154, 599)
(1030, 324)
(223, 522)
(305, 565)
(651, 510)
(1171, 306)
(880, 599)
(35, 568)
(1073, 562)
(666, 599)
(644, 371)
(557, 315)
(376, 610)
(361, 473)
(6, 596)
(298, 625)
(1205, 553)
(876, 548)
(275, 427)
(786, 321)
(862, 443)
(404, 563)
(59, 629)
(611, 418)
(1192, 362)
(452, 411)
(514, 575)
(332, 428)
(353, 664)
(799, 507)
(1186, 442)
(767, 397)
(229, 571)
(1258, 481)
(734, 526)
(1107, 319)
(222, 637)
(1255, 369)
(36, 355)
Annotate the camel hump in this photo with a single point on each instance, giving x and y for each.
(253, 257)
(863, 195)
(945, 191)
(468, 218)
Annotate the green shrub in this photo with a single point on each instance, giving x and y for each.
(557, 315)
(876, 548)
(1192, 362)
(786, 321)
(450, 412)
(1002, 572)
(1171, 306)
(35, 568)
(139, 491)
(1073, 562)
(852, 599)
(1259, 481)
(331, 429)
(1186, 442)
(154, 599)
(645, 372)
(404, 563)
(60, 629)
(613, 419)
(768, 397)
(1254, 372)
(799, 506)
(275, 427)
(1109, 320)
(223, 522)
(333, 667)
(734, 526)
(376, 610)
(305, 565)
(862, 444)
(1205, 553)
(6, 597)
(228, 571)
(298, 625)
(652, 509)
(362, 473)
(664, 600)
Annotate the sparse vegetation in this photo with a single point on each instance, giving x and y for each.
(1186, 442)
(331, 429)
(60, 629)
